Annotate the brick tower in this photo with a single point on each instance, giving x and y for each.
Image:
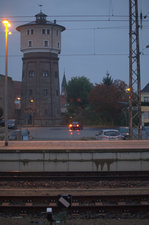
(40, 44)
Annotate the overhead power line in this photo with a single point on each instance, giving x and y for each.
(82, 54)
(53, 16)
(76, 18)
(80, 20)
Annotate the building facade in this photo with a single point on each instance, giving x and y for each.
(40, 97)
(11, 94)
(145, 105)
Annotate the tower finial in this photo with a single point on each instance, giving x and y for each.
(40, 7)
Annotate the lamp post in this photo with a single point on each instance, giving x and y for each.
(32, 110)
(6, 24)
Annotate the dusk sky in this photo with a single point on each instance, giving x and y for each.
(96, 39)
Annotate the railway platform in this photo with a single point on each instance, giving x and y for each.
(75, 145)
(67, 156)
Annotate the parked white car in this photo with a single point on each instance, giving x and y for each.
(109, 134)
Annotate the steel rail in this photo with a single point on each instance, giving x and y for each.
(95, 204)
(75, 176)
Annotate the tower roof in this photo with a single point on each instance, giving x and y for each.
(41, 19)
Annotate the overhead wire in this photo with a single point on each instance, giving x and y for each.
(76, 15)
(81, 18)
(83, 54)
(110, 18)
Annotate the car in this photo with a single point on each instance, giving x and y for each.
(75, 126)
(11, 124)
(20, 134)
(124, 132)
(109, 134)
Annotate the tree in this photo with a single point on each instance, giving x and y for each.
(78, 89)
(121, 87)
(107, 80)
(106, 99)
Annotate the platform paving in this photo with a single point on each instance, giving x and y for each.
(75, 145)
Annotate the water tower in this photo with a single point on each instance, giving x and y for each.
(40, 98)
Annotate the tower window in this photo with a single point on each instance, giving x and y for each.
(57, 93)
(56, 74)
(31, 73)
(46, 43)
(58, 44)
(43, 31)
(46, 112)
(30, 31)
(45, 92)
(45, 74)
(57, 32)
(30, 92)
(29, 43)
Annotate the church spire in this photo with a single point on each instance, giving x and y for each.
(64, 86)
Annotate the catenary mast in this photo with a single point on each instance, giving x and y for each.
(134, 71)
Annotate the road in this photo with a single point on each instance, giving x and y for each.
(63, 133)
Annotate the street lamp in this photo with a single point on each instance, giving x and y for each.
(6, 24)
(32, 110)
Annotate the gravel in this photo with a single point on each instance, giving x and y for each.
(26, 220)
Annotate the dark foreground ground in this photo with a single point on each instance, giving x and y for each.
(38, 221)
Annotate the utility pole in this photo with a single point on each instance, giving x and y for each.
(6, 24)
(135, 118)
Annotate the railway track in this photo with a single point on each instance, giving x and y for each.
(78, 204)
(93, 203)
(74, 176)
